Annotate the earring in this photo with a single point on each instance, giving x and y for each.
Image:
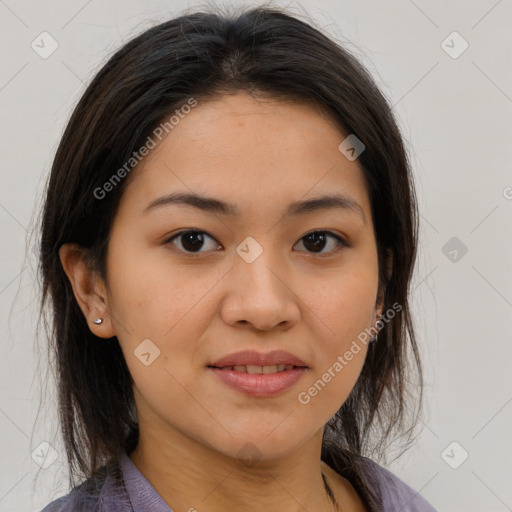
(98, 321)
(374, 339)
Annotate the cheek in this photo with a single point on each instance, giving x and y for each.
(149, 295)
(343, 309)
(333, 379)
(343, 303)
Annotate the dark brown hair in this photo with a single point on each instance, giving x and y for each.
(203, 55)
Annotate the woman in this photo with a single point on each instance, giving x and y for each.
(228, 239)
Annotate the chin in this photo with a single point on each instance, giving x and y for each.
(264, 447)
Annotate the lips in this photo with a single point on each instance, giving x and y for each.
(253, 359)
(259, 375)
(260, 370)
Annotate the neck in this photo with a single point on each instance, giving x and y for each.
(190, 476)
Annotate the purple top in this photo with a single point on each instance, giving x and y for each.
(123, 488)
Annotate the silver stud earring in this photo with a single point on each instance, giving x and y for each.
(374, 339)
(98, 321)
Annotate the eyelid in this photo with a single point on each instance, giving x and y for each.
(341, 239)
(170, 239)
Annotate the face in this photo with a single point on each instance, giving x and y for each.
(189, 286)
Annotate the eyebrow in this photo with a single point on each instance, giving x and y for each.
(210, 204)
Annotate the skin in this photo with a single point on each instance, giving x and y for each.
(260, 155)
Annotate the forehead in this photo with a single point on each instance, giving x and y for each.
(253, 152)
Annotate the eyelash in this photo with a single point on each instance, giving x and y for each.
(342, 243)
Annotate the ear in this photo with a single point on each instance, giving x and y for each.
(89, 289)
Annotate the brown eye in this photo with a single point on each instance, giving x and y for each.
(191, 241)
(316, 241)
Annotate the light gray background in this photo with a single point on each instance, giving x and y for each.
(455, 114)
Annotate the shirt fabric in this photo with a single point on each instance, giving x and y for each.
(122, 487)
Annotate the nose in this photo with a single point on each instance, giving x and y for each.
(260, 294)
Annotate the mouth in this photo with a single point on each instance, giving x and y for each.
(259, 375)
(258, 370)
(250, 361)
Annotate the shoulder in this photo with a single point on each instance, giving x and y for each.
(103, 492)
(395, 493)
(75, 500)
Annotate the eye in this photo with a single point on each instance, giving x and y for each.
(191, 241)
(317, 240)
